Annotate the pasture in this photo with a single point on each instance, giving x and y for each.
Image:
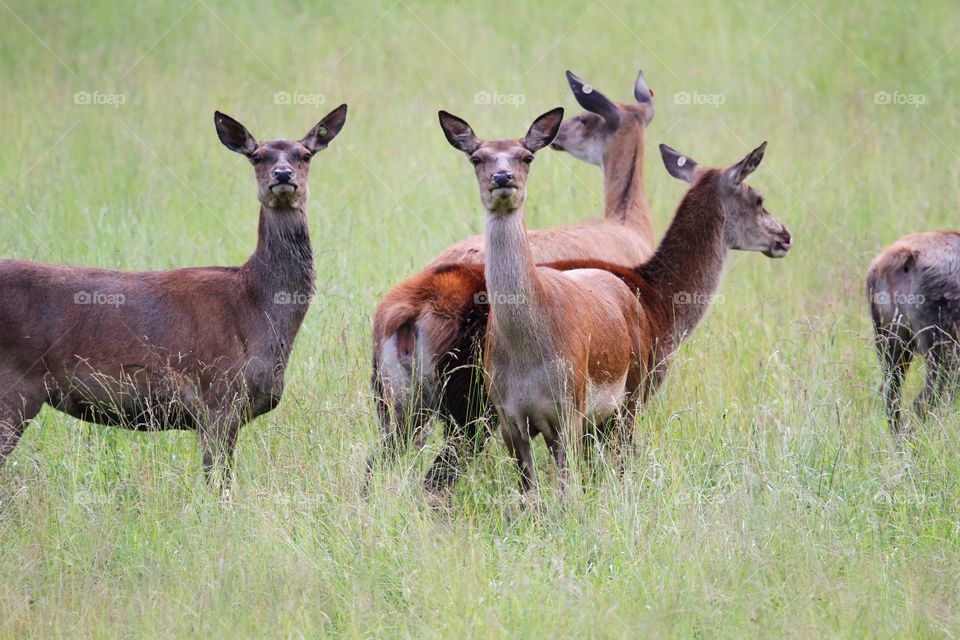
(765, 496)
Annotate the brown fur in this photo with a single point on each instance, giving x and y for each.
(197, 348)
(913, 289)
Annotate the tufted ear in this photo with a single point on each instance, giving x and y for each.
(234, 135)
(326, 130)
(543, 130)
(458, 132)
(592, 100)
(678, 165)
(736, 174)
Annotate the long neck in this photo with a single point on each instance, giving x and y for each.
(624, 193)
(280, 272)
(685, 271)
(511, 274)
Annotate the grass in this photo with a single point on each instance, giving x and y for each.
(765, 498)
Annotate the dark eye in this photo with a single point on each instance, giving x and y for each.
(528, 159)
(306, 156)
(255, 158)
(759, 201)
(474, 160)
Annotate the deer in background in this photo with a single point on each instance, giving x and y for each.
(913, 289)
(413, 381)
(197, 348)
(675, 287)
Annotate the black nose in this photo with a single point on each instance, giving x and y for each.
(282, 174)
(502, 178)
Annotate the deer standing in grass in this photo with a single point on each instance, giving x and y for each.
(198, 348)
(580, 344)
(913, 288)
(415, 379)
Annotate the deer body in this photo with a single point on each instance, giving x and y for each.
(196, 348)
(674, 288)
(913, 289)
(423, 331)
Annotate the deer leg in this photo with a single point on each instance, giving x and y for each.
(400, 423)
(517, 440)
(462, 443)
(20, 402)
(218, 440)
(941, 368)
(893, 347)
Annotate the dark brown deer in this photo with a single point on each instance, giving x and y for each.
(674, 287)
(408, 390)
(198, 348)
(913, 288)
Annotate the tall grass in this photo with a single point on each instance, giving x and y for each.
(765, 497)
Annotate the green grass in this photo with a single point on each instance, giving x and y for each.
(765, 498)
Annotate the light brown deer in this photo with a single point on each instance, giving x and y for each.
(913, 288)
(611, 136)
(675, 287)
(412, 382)
(199, 348)
(567, 348)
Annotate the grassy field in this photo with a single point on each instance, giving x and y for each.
(765, 497)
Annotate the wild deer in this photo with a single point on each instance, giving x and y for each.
(913, 288)
(197, 348)
(610, 136)
(585, 371)
(411, 381)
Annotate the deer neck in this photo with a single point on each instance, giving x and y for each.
(280, 272)
(511, 275)
(624, 193)
(685, 271)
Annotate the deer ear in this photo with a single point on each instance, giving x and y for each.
(644, 95)
(325, 130)
(458, 132)
(678, 165)
(234, 135)
(594, 101)
(543, 130)
(736, 174)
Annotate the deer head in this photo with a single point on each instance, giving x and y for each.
(589, 135)
(502, 166)
(748, 226)
(281, 166)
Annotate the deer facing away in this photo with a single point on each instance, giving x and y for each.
(913, 289)
(196, 348)
(412, 381)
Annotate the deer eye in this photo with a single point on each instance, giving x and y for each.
(255, 158)
(528, 159)
(306, 156)
(475, 160)
(759, 201)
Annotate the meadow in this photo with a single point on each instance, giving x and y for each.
(765, 497)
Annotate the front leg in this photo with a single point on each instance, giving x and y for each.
(516, 436)
(218, 439)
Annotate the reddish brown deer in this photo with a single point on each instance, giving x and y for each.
(406, 379)
(719, 212)
(913, 288)
(200, 348)
(608, 135)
